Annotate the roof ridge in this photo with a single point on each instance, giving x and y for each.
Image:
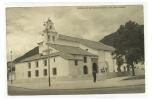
(66, 45)
(79, 38)
(86, 39)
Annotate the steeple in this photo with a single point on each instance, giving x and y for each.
(49, 26)
(49, 32)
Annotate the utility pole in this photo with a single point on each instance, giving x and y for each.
(113, 65)
(46, 30)
(11, 66)
(49, 79)
(50, 34)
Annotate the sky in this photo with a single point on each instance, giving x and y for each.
(24, 25)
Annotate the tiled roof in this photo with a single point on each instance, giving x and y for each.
(71, 50)
(61, 54)
(66, 52)
(89, 43)
(30, 53)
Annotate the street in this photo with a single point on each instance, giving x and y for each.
(103, 90)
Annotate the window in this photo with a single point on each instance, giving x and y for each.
(54, 59)
(54, 71)
(85, 69)
(45, 72)
(48, 37)
(85, 59)
(45, 62)
(29, 65)
(76, 62)
(53, 38)
(13, 68)
(50, 27)
(37, 63)
(36, 73)
(29, 74)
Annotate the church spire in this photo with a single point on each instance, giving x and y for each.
(49, 25)
(50, 34)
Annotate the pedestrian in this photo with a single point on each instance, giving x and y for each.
(94, 71)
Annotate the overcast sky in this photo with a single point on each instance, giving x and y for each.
(25, 24)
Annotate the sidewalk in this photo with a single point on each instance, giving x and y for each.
(113, 82)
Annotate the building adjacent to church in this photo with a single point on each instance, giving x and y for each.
(63, 57)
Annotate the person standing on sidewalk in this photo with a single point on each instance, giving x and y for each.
(94, 71)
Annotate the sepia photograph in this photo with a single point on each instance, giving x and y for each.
(68, 50)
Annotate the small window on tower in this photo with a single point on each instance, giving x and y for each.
(53, 38)
(48, 37)
(50, 27)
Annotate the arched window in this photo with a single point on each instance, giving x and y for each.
(85, 69)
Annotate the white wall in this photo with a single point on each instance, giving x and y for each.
(20, 69)
(40, 48)
(60, 63)
(103, 56)
(106, 56)
(101, 59)
(109, 59)
(78, 70)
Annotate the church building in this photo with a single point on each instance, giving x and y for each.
(61, 57)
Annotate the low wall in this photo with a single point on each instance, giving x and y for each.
(102, 76)
(33, 80)
(139, 71)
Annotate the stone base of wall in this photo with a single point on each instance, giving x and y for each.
(37, 83)
(101, 76)
(32, 80)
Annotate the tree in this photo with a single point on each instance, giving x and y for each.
(119, 62)
(128, 41)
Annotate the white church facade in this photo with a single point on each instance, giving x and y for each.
(64, 57)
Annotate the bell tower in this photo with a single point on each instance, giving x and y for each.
(49, 32)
